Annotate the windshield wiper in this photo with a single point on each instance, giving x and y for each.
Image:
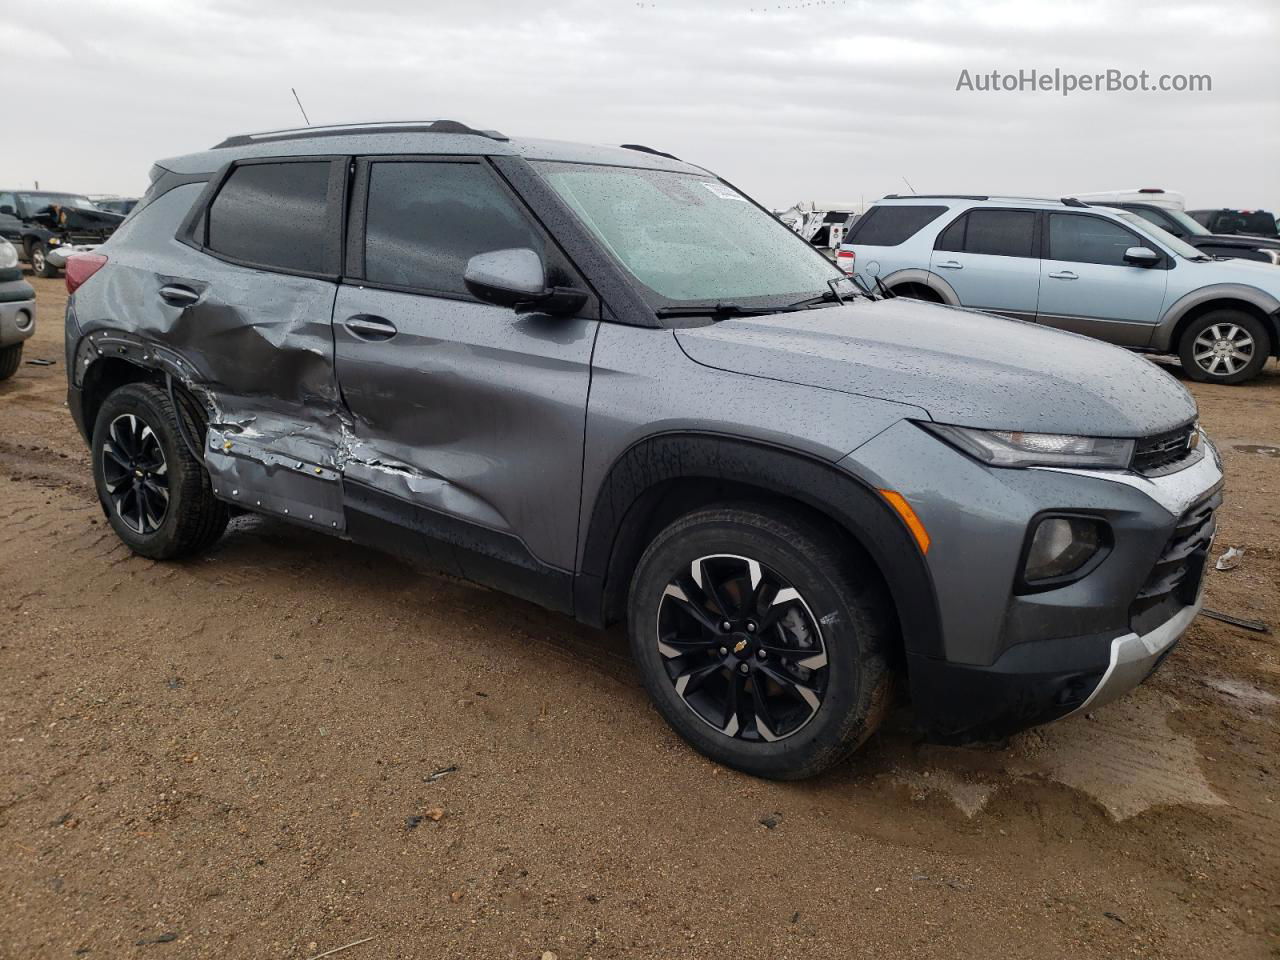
(718, 310)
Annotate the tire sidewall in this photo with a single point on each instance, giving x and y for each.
(1261, 341)
(139, 401)
(853, 669)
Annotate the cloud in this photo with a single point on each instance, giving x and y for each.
(791, 101)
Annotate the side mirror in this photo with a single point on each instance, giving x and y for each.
(8, 211)
(1141, 257)
(517, 278)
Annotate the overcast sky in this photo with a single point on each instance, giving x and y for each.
(790, 100)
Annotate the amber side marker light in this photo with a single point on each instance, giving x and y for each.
(903, 509)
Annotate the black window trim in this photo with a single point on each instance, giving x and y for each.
(1038, 246)
(336, 201)
(354, 266)
(1166, 261)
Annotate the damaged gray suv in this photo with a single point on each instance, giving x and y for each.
(607, 381)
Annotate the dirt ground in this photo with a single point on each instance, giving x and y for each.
(292, 744)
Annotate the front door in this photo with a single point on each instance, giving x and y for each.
(1086, 286)
(989, 258)
(467, 418)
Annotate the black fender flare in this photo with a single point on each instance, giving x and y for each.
(644, 471)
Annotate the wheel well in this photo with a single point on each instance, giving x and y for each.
(919, 291)
(1244, 306)
(106, 376)
(665, 502)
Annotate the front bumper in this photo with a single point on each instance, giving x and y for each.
(17, 312)
(1010, 659)
(57, 256)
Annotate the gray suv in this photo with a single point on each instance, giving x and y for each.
(605, 380)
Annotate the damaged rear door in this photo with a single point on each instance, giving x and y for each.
(468, 418)
(252, 316)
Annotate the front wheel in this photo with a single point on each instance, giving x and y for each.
(759, 641)
(40, 264)
(10, 358)
(156, 495)
(1224, 346)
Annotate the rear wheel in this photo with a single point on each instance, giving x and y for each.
(757, 640)
(10, 358)
(1224, 346)
(156, 495)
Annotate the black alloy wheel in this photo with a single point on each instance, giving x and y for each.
(135, 473)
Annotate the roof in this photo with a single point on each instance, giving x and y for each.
(931, 198)
(439, 137)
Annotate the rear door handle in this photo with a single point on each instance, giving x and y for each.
(951, 265)
(1065, 275)
(175, 294)
(365, 326)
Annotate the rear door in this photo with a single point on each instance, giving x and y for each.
(467, 418)
(990, 258)
(1087, 287)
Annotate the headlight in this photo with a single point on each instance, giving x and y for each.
(1011, 448)
(1060, 547)
(54, 241)
(8, 255)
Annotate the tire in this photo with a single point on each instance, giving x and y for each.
(40, 264)
(831, 638)
(916, 291)
(136, 445)
(1224, 346)
(10, 358)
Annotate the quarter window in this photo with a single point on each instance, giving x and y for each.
(891, 224)
(424, 221)
(276, 215)
(1082, 239)
(996, 233)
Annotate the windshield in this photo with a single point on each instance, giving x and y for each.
(35, 202)
(1193, 227)
(1180, 247)
(689, 237)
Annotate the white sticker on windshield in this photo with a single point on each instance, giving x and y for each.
(721, 191)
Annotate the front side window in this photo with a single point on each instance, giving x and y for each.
(891, 224)
(276, 215)
(996, 233)
(689, 238)
(33, 204)
(425, 220)
(1084, 239)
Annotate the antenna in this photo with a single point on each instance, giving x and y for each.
(908, 183)
(303, 109)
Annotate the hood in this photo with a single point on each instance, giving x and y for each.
(59, 217)
(964, 367)
(1256, 273)
(1235, 240)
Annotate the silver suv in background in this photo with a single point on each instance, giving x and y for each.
(17, 310)
(606, 381)
(1107, 273)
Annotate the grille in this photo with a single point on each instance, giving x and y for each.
(86, 236)
(1175, 579)
(1165, 451)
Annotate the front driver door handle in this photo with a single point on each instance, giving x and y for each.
(365, 326)
(1065, 275)
(176, 295)
(951, 265)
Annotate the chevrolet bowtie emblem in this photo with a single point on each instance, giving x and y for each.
(740, 646)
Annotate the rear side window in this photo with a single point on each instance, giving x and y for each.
(1082, 239)
(996, 233)
(276, 215)
(888, 226)
(424, 221)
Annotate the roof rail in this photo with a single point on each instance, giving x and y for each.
(1073, 202)
(356, 129)
(932, 196)
(643, 149)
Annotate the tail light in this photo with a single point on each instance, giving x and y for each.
(81, 266)
(845, 260)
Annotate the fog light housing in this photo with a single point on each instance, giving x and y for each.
(1061, 547)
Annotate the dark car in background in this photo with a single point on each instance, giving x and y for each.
(1182, 226)
(47, 226)
(1258, 223)
(121, 205)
